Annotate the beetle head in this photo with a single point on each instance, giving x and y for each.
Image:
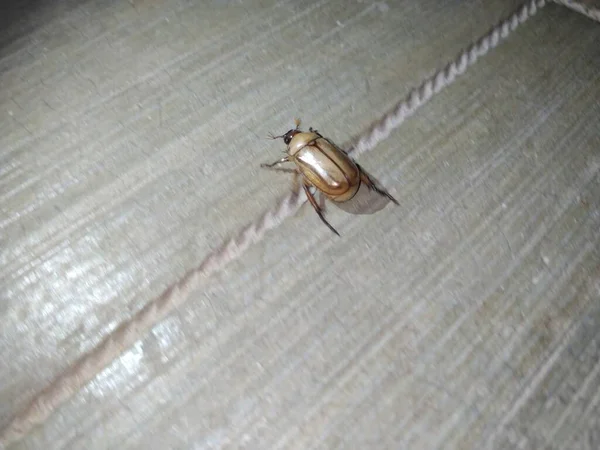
(287, 137)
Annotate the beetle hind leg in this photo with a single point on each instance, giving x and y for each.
(322, 203)
(371, 185)
(317, 208)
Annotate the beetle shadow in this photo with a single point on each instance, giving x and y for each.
(365, 201)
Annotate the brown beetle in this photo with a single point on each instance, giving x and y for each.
(324, 166)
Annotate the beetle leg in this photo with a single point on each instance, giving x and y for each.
(296, 182)
(276, 163)
(314, 204)
(312, 130)
(322, 204)
(371, 185)
(273, 137)
(280, 169)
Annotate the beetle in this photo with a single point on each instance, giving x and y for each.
(324, 166)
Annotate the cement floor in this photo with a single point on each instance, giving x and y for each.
(467, 317)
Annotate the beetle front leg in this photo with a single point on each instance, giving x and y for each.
(276, 163)
(371, 185)
(314, 204)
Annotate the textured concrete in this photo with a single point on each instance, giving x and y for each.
(130, 143)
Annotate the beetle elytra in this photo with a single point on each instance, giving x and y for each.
(324, 166)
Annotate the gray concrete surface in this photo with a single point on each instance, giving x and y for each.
(130, 144)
